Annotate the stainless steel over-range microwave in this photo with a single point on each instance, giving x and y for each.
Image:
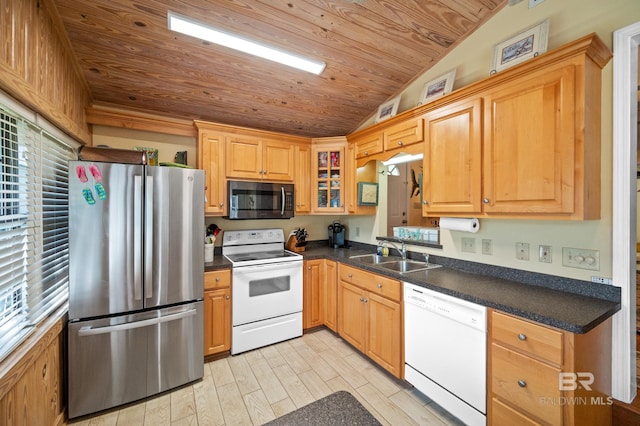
(260, 200)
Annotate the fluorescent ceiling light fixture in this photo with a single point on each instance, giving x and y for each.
(402, 159)
(208, 33)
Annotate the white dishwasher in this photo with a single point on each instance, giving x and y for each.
(446, 351)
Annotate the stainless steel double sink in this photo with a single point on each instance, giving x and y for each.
(394, 264)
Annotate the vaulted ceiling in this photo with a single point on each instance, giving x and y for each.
(373, 49)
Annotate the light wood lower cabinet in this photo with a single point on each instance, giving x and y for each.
(217, 311)
(541, 375)
(370, 316)
(31, 389)
(320, 294)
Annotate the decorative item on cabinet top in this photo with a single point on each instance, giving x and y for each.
(388, 109)
(437, 87)
(520, 47)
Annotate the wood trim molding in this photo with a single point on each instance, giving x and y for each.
(138, 121)
(625, 106)
(247, 131)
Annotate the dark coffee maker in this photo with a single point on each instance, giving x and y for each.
(337, 233)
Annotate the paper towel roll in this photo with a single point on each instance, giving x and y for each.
(460, 224)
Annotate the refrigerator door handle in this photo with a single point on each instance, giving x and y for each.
(137, 237)
(148, 243)
(90, 331)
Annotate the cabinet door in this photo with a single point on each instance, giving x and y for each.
(302, 187)
(369, 146)
(452, 179)
(330, 294)
(329, 178)
(244, 157)
(312, 294)
(277, 161)
(217, 321)
(351, 315)
(350, 179)
(211, 159)
(529, 137)
(383, 333)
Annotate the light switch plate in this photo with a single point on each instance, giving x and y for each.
(544, 254)
(487, 246)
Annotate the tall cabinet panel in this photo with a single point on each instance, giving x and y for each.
(302, 178)
(530, 141)
(212, 160)
(452, 159)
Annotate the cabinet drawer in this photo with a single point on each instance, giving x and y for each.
(403, 134)
(502, 414)
(525, 336)
(383, 286)
(368, 147)
(526, 383)
(217, 279)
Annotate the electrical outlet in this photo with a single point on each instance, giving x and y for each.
(601, 280)
(581, 258)
(469, 245)
(544, 254)
(522, 251)
(487, 247)
(534, 3)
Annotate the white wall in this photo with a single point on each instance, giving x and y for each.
(569, 20)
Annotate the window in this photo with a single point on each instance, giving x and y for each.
(34, 245)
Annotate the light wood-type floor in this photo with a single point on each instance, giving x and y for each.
(260, 385)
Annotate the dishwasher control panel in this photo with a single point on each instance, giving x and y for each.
(451, 307)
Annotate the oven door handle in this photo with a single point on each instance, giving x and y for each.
(280, 266)
(283, 197)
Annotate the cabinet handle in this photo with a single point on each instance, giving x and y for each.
(522, 383)
(365, 300)
(217, 279)
(350, 275)
(227, 297)
(264, 172)
(400, 143)
(485, 200)
(221, 204)
(366, 153)
(379, 285)
(425, 202)
(362, 299)
(522, 337)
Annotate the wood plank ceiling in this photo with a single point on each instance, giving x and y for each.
(373, 49)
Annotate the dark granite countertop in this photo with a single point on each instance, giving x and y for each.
(568, 304)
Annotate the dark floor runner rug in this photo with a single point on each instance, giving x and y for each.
(340, 408)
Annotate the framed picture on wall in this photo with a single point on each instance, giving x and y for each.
(367, 194)
(437, 87)
(520, 47)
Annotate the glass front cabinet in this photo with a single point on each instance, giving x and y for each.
(328, 161)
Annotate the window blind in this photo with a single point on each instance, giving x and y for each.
(34, 243)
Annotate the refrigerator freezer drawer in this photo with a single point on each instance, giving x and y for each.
(113, 361)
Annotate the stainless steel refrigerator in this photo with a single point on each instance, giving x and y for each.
(136, 278)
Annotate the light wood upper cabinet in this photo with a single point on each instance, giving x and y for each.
(328, 175)
(452, 164)
(369, 145)
(211, 159)
(302, 178)
(249, 157)
(530, 159)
